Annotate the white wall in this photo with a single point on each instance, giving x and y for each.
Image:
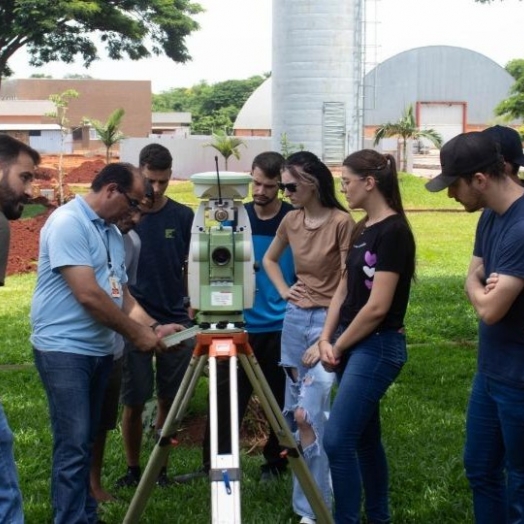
(49, 143)
(190, 156)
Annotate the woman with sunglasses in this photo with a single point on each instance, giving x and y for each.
(318, 232)
(363, 338)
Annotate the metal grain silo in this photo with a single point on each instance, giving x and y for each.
(317, 76)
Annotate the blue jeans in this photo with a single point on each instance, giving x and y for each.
(311, 391)
(10, 497)
(75, 386)
(494, 452)
(353, 438)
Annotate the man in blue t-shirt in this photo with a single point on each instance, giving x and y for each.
(473, 172)
(160, 288)
(264, 319)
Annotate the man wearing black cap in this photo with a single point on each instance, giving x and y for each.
(473, 173)
(510, 148)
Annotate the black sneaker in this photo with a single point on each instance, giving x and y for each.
(130, 479)
(163, 481)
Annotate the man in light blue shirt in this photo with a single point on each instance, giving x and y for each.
(81, 298)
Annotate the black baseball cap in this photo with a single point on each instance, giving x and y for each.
(464, 154)
(509, 141)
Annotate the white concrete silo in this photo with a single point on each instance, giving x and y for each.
(317, 76)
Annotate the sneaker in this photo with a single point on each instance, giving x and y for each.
(163, 480)
(130, 479)
(307, 520)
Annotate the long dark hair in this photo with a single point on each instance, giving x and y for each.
(383, 168)
(306, 166)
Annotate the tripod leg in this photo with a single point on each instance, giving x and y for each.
(286, 438)
(225, 468)
(163, 447)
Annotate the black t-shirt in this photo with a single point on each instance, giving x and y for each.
(165, 237)
(385, 246)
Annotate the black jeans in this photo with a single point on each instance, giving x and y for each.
(266, 347)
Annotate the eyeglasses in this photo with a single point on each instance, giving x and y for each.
(133, 203)
(291, 187)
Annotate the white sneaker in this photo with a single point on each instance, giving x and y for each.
(307, 520)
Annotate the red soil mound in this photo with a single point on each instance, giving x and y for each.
(23, 253)
(85, 172)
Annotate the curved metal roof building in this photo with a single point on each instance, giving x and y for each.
(453, 89)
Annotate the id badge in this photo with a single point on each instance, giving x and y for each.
(114, 284)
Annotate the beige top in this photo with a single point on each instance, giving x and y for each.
(319, 253)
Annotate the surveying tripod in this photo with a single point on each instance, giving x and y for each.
(225, 473)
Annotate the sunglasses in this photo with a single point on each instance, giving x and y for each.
(291, 187)
(133, 203)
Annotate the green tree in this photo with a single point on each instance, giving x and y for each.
(61, 102)
(287, 148)
(109, 132)
(64, 29)
(211, 106)
(221, 119)
(406, 129)
(513, 106)
(226, 145)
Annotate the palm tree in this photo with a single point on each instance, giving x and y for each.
(109, 133)
(405, 129)
(226, 145)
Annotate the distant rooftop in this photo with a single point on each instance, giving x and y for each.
(29, 127)
(26, 107)
(170, 118)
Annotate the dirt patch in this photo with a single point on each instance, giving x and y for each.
(253, 432)
(23, 251)
(85, 172)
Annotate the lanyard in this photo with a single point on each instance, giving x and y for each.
(106, 246)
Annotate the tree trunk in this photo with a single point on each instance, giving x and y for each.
(61, 168)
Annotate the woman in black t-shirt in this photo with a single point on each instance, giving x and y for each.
(363, 338)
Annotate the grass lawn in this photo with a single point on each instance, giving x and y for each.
(423, 412)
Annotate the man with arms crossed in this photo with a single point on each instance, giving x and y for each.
(473, 173)
(17, 167)
(81, 298)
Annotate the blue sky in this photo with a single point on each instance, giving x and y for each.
(235, 39)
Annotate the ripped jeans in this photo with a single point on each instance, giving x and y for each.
(311, 391)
